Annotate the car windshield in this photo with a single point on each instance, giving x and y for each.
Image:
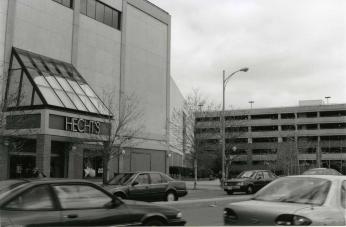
(305, 190)
(122, 178)
(8, 186)
(246, 174)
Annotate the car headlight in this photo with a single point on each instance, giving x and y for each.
(179, 215)
(241, 183)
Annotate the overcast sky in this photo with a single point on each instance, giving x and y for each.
(295, 49)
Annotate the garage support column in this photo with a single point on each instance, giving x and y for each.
(43, 153)
(75, 164)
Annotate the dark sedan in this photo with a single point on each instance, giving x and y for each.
(249, 181)
(54, 202)
(146, 186)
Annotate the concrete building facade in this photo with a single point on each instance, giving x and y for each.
(109, 49)
(287, 140)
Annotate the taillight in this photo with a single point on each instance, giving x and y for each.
(229, 213)
(290, 219)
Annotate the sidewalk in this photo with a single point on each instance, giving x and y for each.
(204, 185)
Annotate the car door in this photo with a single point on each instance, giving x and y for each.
(258, 181)
(267, 178)
(35, 206)
(139, 189)
(158, 186)
(84, 204)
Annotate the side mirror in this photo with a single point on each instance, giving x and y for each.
(134, 183)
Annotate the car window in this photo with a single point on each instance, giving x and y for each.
(343, 194)
(166, 178)
(259, 176)
(266, 175)
(81, 197)
(37, 198)
(155, 178)
(142, 178)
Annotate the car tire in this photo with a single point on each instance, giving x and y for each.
(120, 195)
(229, 192)
(249, 190)
(171, 196)
(154, 222)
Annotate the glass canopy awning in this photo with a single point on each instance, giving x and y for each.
(38, 81)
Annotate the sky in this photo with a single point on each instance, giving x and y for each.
(294, 49)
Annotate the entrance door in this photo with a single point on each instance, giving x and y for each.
(59, 159)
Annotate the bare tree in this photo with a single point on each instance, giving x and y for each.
(123, 128)
(183, 127)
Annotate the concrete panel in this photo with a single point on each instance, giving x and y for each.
(99, 57)
(75, 168)
(146, 67)
(158, 161)
(44, 27)
(140, 161)
(43, 153)
(3, 17)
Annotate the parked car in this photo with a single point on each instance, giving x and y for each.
(249, 181)
(321, 171)
(61, 202)
(146, 186)
(294, 200)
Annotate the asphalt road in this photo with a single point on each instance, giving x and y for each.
(204, 207)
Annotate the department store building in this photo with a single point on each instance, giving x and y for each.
(59, 59)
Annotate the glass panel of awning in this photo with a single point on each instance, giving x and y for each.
(53, 83)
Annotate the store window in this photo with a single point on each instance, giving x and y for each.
(92, 164)
(22, 158)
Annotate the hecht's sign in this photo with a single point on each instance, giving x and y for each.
(82, 125)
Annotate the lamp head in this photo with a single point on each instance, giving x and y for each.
(244, 69)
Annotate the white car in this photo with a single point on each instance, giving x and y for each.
(293, 200)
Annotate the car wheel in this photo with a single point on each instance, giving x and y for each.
(249, 190)
(229, 192)
(154, 222)
(171, 196)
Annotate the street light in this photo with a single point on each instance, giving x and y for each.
(327, 99)
(224, 83)
(251, 103)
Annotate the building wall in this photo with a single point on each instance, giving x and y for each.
(272, 146)
(145, 67)
(3, 17)
(176, 108)
(44, 27)
(99, 47)
(135, 59)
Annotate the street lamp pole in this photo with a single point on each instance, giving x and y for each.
(223, 142)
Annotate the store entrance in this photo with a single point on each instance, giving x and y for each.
(59, 159)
